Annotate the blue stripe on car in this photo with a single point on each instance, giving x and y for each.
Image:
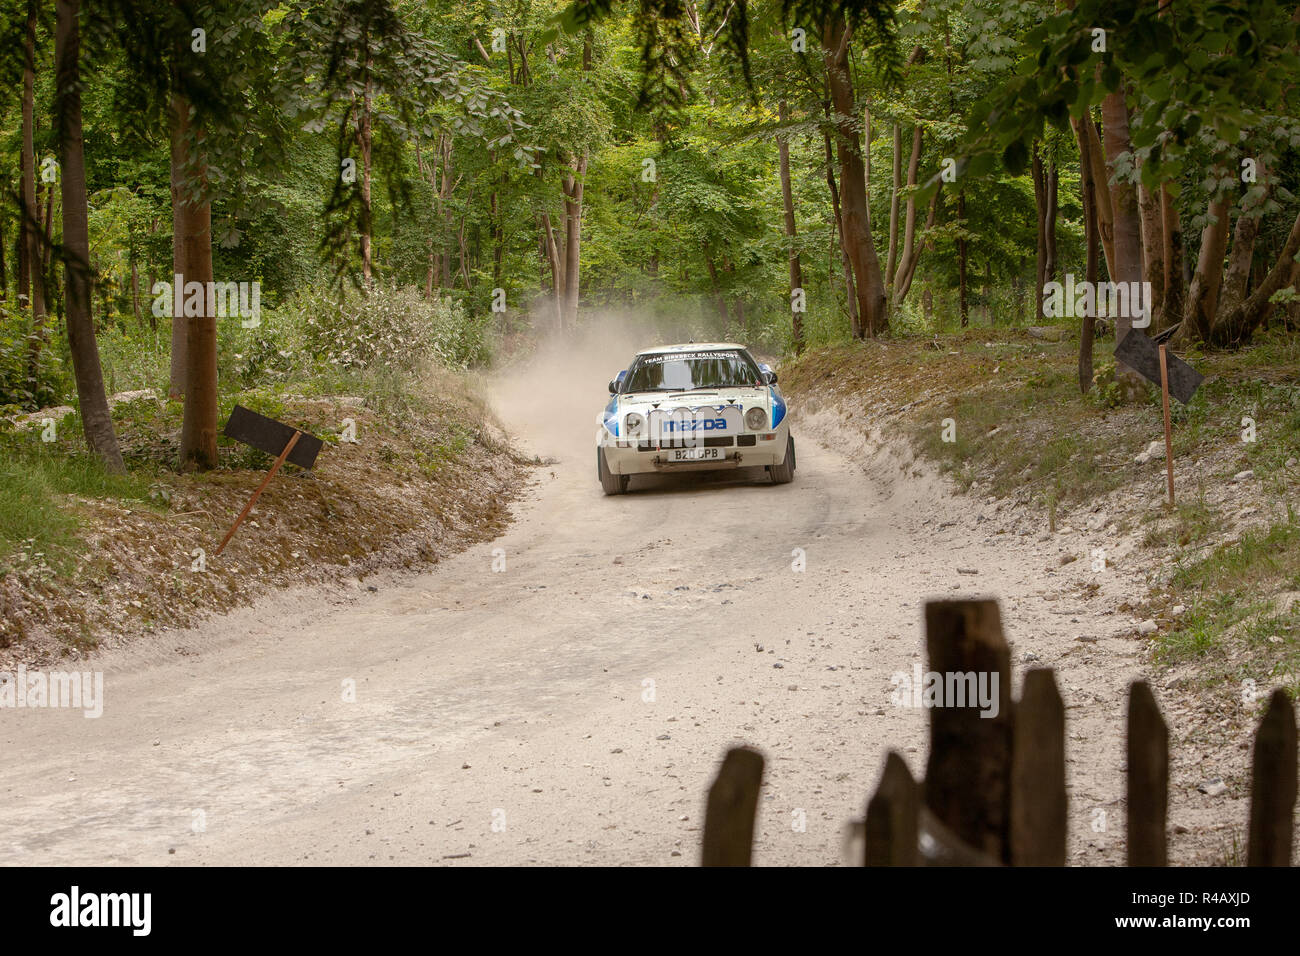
(778, 407)
(611, 416)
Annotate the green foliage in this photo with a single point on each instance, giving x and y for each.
(392, 328)
(22, 387)
(1106, 391)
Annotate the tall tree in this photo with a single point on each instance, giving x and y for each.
(855, 217)
(791, 231)
(30, 229)
(1128, 229)
(97, 422)
(192, 257)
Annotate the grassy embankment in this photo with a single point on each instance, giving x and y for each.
(86, 556)
(1231, 546)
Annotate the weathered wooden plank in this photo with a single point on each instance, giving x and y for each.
(1148, 779)
(731, 808)
(1273, 785)
(1038, 800)
(968, 773)
(891, 827)
(270, 436)
(1141, 354)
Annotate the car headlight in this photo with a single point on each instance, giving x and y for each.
(633, 424)
(756, 419)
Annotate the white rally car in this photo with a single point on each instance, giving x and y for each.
(693, 407)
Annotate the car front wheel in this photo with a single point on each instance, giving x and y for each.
(784, 473)
(610, 483)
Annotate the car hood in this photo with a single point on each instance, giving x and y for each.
(746, 396)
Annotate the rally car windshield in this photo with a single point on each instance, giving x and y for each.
(689, 371)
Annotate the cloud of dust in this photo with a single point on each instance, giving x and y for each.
(551, 399)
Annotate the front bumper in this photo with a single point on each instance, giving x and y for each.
(745, 450)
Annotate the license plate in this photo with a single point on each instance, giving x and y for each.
(695, 454)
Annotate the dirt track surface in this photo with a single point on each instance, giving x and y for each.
(573, 707)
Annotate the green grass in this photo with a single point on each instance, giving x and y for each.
(1231, 621)
(36, 480)
(1192, 522)
(1005, 436)
(1269, 558)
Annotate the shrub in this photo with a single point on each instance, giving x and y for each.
(389, 327)
(22, 387)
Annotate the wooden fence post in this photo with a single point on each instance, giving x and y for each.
(968, 774)
(1273, 785)
(1148, 779)
(892, 817)
(732, 804)
(1038, 800)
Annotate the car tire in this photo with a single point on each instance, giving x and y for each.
(783, 473)
(610, 483)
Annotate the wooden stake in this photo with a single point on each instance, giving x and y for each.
(258, 493)
(731, 808)
(892, 816)
(1039, 805)
(968, 773)
(1273, 785)
(1148, 779)
(1169, 440)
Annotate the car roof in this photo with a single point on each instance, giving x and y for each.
(691, 347)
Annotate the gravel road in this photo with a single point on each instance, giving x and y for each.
(563, 694)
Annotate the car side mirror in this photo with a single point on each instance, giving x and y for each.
(769, 378)
(613, 387)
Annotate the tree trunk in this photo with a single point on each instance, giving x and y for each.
(907, 253)
(891, 261)
(1239, 323)
(1090, 151)
(912, 255)
(573, 186)
(179, 122)
(868, 280)
(31, 225)
(909, 217)
(366, 141)
(1236, 276)
(192, 255)
(1049, 225)
(866, 151)
(1203, 293)
(1153, 250)
(1040, 219)
(1128, 233)
(97, 423)
(556, 263)
(791, 232)
(855, 318)
(963, 307)
(1092, 245)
